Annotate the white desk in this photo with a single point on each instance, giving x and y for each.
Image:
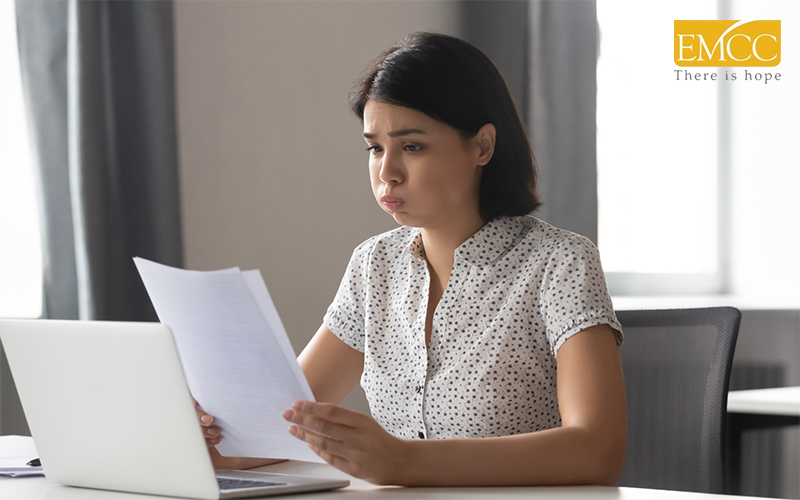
(36, 488)
(757, 409)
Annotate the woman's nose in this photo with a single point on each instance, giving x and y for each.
(391, 169)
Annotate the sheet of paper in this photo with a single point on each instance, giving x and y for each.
(238, 361)
(255, 282)
(15, 466)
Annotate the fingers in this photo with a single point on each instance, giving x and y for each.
(330, 450)
(350, 441)
(213, 436)
(211, 433)
(323, 420)
(330, 412)
(321, 445)
(205, 418)
(318, 425)
(339, 462)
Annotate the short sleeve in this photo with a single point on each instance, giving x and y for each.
(346, 314)
(574, 295)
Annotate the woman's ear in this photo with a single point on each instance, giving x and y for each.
(485, 139)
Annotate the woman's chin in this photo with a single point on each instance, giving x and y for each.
(398, 218)
(401, 218)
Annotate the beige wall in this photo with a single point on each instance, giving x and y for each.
(273, 168)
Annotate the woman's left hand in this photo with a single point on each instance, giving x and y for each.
(350, 441)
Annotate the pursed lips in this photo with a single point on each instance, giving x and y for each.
(392, 203)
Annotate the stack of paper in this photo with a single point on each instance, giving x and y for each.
(237, 358)
(17, 466)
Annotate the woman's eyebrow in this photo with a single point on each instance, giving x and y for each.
(397, 133)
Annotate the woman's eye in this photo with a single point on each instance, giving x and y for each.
(413, 148)
(374, 149)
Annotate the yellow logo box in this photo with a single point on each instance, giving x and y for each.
(727, 43)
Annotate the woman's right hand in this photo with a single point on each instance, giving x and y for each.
(213, 435)
(211, 432)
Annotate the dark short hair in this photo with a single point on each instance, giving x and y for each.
(455, 83)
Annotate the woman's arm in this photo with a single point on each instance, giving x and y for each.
(589, 448)
(331, 367)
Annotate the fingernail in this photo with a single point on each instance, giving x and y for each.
(298, 405)
(206, 419)
(288, 415)
(214, 432)
(293, 430)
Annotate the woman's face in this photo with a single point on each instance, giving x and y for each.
(423, 172)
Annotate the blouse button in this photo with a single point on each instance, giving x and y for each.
(421, 435)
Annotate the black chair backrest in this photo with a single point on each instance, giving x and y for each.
(677, 364)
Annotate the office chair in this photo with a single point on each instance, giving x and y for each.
(676, 365)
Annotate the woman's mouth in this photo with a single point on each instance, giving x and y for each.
(391, 203)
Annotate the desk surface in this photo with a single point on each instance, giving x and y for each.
(780, 401)
(35, 488)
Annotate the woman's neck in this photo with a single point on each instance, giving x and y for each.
(440, 243)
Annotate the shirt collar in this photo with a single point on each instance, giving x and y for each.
(483, 247)
(415, 247)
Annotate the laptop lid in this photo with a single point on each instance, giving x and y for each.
(108, 407)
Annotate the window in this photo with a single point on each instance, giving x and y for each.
(20, 240)
(693, 176)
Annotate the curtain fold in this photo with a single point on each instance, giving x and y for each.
(42, 34)
(98, 82)
(547, 50)
(563, 110)
(99, 85)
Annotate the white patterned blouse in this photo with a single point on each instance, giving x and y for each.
(518, 289)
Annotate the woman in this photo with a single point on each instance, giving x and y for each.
(484, 338)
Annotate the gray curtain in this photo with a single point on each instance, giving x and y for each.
(99, 86)
(547, 50)
(98, 81)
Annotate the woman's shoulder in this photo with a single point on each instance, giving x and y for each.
(554, 240)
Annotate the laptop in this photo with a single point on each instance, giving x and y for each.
(109, 408)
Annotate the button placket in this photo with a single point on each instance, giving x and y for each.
(421, 377)
(439, 326)
(451, 292)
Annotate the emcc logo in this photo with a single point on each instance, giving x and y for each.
(727, 43)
